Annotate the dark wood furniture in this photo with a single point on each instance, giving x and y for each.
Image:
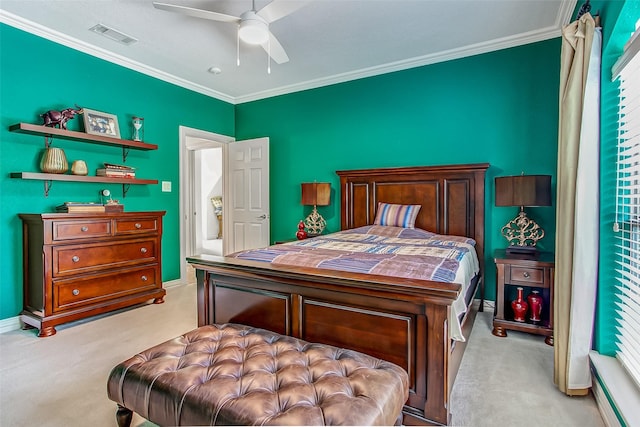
(49, 132)
(403, 321)
(80, 265)
(530, 273)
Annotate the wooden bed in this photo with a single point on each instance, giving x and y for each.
(400, 320)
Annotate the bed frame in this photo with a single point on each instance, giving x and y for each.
(400, 320)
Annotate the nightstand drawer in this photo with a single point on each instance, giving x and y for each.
(527, 275)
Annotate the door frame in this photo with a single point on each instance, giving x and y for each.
(191, 140)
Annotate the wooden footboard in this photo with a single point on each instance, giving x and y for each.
(400, 320)
(404, 322)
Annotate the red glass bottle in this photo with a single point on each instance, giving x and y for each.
(519, 306)
(535, 305)
(301, 234)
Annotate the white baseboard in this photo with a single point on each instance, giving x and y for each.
(606, 410)
(14, 323)
(616, 394)
(10, 324)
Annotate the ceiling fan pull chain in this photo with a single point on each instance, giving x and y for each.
(269, 56)
(238, 46)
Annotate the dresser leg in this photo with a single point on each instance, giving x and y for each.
(158, 300)
(549, 340)
(499, 331)
(46, 331)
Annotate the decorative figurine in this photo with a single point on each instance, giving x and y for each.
(53, 118)
(301, 234)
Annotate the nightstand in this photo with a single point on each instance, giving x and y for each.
(531, 274)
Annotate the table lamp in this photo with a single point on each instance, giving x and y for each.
(522, 232)
(315, 194)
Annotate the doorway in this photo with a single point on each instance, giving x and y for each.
(202, 177)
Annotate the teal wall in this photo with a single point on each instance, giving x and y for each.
(618, 22)
(37, 75)
(500, 108)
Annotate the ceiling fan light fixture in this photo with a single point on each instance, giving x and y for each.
(253, 29)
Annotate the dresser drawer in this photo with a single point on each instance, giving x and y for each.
(527, 276)
(136, 225)
(75, 259)
(68, 294)
(69, 230)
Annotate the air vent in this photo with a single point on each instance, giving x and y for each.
(112, 34)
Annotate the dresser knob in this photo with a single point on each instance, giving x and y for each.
(75, 292)
(75, 258)
(138, 225)
(144, 278)
(84, 228)
(526, 274)
(143, 250)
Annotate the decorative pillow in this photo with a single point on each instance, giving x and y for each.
(397, 215)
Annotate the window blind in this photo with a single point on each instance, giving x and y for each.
(627, 225)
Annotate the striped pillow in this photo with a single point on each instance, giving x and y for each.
(396, 215)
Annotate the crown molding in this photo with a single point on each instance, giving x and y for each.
(564, 15)
(471, 50)
(57, 37)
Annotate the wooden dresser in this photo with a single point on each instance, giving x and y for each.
(80, 265)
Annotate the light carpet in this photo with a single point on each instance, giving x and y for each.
(61, 380)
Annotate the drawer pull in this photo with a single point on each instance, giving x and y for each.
(526, 274)
(75, 258)
(138, 225)
(144, 278)
(84, 228)
(75, 292)
(143, 250)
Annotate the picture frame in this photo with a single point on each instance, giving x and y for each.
(99, 123)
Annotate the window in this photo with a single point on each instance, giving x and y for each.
(627, 226)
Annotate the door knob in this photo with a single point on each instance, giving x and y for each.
(263, 216)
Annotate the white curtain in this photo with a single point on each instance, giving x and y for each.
(585, 255)
(577, 226)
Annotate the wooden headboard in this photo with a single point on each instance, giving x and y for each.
(452, 197)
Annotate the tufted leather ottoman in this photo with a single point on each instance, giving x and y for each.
(238, 375)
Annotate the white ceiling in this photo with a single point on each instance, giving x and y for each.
(328, 41)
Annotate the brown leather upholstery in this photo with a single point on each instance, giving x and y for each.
(234, 374)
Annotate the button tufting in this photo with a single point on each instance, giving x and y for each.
(252, 376)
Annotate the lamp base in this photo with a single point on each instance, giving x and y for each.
(314, 223)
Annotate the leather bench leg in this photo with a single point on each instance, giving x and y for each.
(123, 416)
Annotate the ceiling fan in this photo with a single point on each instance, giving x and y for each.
(253, 25)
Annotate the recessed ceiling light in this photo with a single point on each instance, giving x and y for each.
(112, 34)
(215, 70)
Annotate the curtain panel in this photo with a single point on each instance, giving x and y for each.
(577, 204)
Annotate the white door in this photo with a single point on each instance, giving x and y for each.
(249, 217)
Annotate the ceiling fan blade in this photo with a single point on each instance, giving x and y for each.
(197, 13)
(280, 8)
(276, 51)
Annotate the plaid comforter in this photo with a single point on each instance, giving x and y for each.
(388, 251)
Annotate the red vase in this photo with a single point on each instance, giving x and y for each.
(519, 306)
(301, 234)
(535, 305)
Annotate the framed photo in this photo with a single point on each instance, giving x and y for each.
(97, 123)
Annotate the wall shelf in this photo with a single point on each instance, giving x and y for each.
(50, 132)
(71, 135)
(49, 177)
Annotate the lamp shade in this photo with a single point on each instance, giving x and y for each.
(523, 190)
(316, 193)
